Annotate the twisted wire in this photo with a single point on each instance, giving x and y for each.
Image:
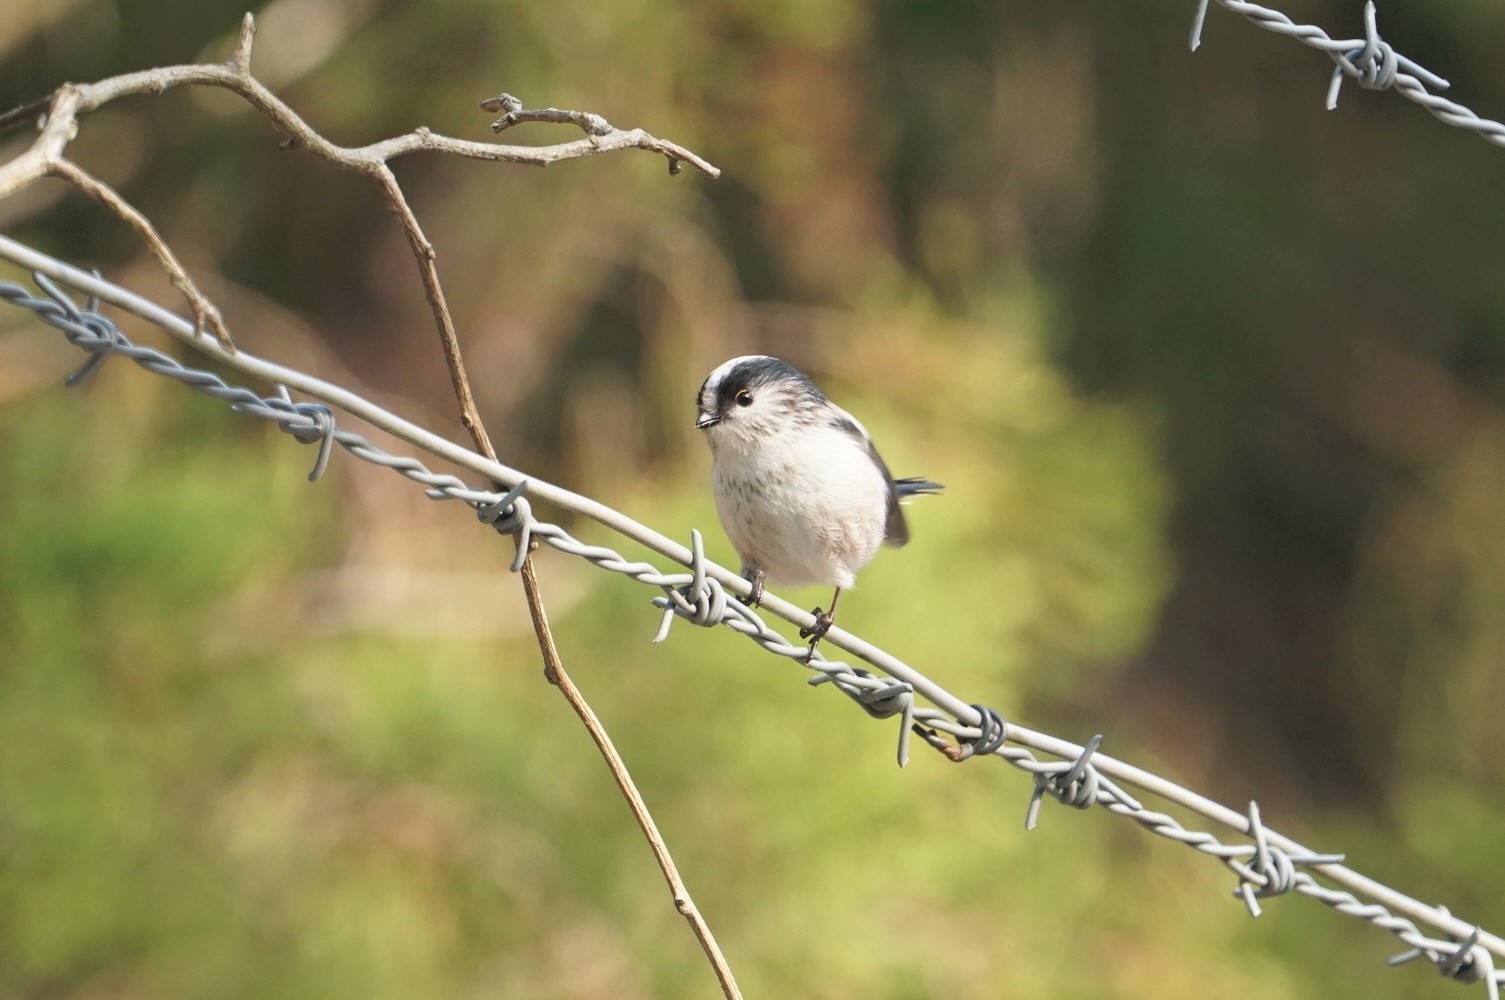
(1262, 868)
(1371, 62)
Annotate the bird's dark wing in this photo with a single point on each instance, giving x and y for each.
(916, 486)
(895, 530)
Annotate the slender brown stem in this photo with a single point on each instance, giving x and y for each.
(29, 112)
(554, 670)
(433, 290)
(556, 674)
(553, 667)
(206, 314)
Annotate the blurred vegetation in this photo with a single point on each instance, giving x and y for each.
(1214, 377)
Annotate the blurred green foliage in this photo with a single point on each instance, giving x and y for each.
(1214, 378)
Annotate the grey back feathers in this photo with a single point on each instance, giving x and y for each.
(895, 528)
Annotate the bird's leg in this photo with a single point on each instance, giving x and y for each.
(754, 576)
(823, 622)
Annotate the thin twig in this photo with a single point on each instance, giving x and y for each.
(206, 314)
(28, 112)
(554, 670)
(516, 114)
(433, 290)
(553, 667)
(556, 674)
(236, 77)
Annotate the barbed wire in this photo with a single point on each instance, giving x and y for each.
(1371, 62)
(1268, 866)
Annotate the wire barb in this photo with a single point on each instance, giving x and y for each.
(992, 733)
(320, 428)
(1073, 783)
(509, 514)
(1371, 62)
(1197, 21)
(702, 599)
(1463, 961)
(1272, 871)
(93, 332)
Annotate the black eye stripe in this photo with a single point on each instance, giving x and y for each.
(770, 384)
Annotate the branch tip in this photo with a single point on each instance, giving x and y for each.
(501, 102)
(513, 113)
(241, 59)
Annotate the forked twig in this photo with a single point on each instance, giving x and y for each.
(59, 115)
(554, 670)
(553, 666)
(205, 313)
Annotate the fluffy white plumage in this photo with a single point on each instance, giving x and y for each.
(799, 487)
(805, 505)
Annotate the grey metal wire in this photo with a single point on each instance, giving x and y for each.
(1371, 62)
(1264, 868)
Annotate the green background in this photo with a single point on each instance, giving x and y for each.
(1214, 377)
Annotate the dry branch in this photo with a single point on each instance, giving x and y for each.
(555, 673)
(59, 117)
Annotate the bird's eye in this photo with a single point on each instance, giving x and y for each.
(743, 397)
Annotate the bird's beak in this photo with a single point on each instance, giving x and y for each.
(707, 420)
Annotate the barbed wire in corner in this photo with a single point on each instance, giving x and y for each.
(1263, 869)
(1371, 62)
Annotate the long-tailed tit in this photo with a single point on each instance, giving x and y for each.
(801, 491)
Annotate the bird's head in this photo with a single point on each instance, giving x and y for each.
(750, 399)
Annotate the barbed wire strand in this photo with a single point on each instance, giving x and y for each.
(1371, 62)
(1269, 866)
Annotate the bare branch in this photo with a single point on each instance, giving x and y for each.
(449, 342)
(555, 673)
(206, 314)
(61, 111)
(59, 127)
(554, 670)
(235, 76)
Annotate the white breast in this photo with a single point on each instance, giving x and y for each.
(805, 508)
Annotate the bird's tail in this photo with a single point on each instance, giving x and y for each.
(916, 486)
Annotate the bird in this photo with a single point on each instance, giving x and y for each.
(801, 491)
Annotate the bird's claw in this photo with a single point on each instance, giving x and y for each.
(823, 622)
(755, 599)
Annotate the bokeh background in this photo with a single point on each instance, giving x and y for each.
(1214, 376)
